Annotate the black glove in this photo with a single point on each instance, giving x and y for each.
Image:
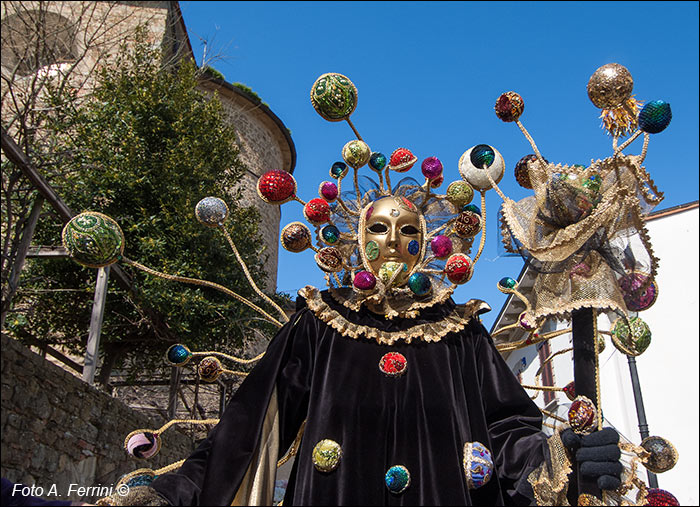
(597, 454)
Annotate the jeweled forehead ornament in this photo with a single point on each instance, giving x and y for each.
(395, 248)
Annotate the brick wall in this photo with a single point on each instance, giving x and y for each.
(57, 429)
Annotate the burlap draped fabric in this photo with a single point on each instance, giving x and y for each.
(581, 242)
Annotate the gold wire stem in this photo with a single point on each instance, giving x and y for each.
(381, 182)
(348, 210)
(337, 279)
(624, 145)
(482, 241)
(553, 416)
(294, 448)
(230, 358)
(503, 329)
(599, 412)
(435, 232)
(357, 134)
(388, 180)
(297, 199)
(250, 278)
(614, 142)
(527, 342)
(185, 421)
(532, 142)
(204, 283)
(357, 188)
(495, 187)
(643, 155)
(542, 388)
(233, 372)
(169, 468)
(551, 356)
(426, 194)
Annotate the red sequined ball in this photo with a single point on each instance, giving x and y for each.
(509, 106)
(401, 160)
(317, 211)
(276, 187)
(393, 364)
(660, 497)
(458, 268)
(570, 391)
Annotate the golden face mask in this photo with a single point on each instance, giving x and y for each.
(391, 237)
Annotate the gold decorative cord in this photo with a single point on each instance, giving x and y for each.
(531, 141)
(182, 421)
(294, 447)
(203, 283)
(599, 412)
(230, 358)
(347, 119)
(169, 468)
(527, 342)
(482, 241)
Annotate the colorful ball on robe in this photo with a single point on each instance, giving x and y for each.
(459, 193)
(441, 246)
(93, 240)
(140, 477)
(142, 444)
(663, 454)
(472, 163)
(660, 498)
(522, 176)
(356, 153)
(377, 161)
(397, 479)
(329, 259)
(509, 106)
(210, 369)
(389, 269)
(467, 224)
(339, 170)
(431, 168)
(276, 187)
(295, 237)
(635, 299)
(326, 455)
(393, 364)
(401, 160)
(328, 191)
(582, 415)
(458, 268)
(610, 86)
(634, 340)
(507, 283)
(570, 390)
(330, 234)
(178, 355)
(211, 211)
(655, 116)
(364, 280)
(419, 284)
(436, 182)
(317, 211)
(478, 464)
(334, 96)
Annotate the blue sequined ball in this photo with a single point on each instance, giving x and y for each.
(419, 284)
(397, 479)
(655, 116)
(178, 355)
(482, 156)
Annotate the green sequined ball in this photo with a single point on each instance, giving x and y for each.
(93, 240)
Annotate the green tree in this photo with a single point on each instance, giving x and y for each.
(144, 150)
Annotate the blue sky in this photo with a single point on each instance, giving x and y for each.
(429, 73)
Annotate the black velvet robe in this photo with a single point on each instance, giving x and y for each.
(454, 391)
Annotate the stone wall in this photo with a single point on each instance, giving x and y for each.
(57, 429)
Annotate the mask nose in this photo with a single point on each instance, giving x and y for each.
(393, 239)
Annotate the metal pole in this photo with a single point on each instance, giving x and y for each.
(584, 379)
(641, 414)
(98, 310)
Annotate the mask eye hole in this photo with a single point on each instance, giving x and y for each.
(378, 228)
(409, 230)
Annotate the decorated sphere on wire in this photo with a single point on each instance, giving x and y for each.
(211, 211)
(458, 268)
(330, 234)
(610, 86)
(419, 284)
(635, 298)
(431, 168)
(522, 175)
(509, 106)
(377, 161)
(441, 246)
(655, 116)
(317, 211)
(478, 163)
(178, 355)
(467, 224)
(338, 170)
(663, 455)
(657, 497)
(507, 283)
(356, 153)
(570, 390)
(328, 191)
(142, 444)
(93, 240)
(459, 193)
(210, 369)
(295, 237)
(334, 96)
(401, 160)
(276, 187)
(635, 338)
(364, 280)
(582, 415)
(329, 259)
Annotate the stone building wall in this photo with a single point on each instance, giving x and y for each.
(57, 429)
